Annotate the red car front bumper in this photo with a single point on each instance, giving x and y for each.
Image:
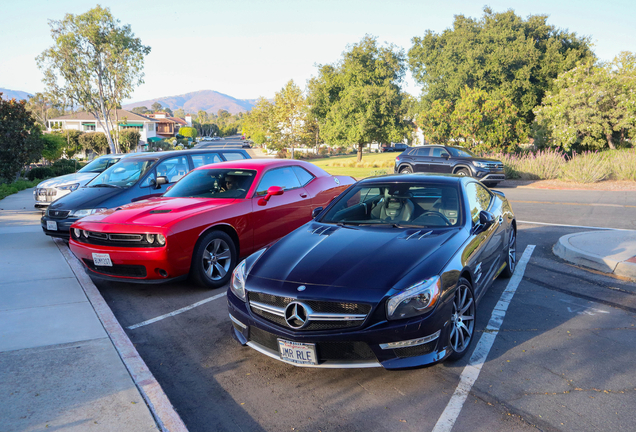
(133, 263)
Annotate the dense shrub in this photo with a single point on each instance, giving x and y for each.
(40, 173)
(95, 141)
(128, 140)
(622, 163)
(588, 167)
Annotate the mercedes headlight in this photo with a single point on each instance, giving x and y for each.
(415, 300)
(70, 187)
(237, 284)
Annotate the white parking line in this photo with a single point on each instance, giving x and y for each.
(177, 312)
(473, 368)
(574, 226)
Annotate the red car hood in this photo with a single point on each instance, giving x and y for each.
(156, 211)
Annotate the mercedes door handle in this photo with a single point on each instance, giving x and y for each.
(303, 195)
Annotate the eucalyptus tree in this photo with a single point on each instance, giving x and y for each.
(95, 63)
(358, 100)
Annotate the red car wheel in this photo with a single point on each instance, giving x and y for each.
(213, 260)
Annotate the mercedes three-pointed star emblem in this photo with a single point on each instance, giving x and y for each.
(296, 315)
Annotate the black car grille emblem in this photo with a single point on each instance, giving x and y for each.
(296, 314)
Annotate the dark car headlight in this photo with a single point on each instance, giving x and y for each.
(415, 300)
(239, 275)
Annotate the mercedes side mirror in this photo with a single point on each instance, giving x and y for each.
(273, 190)
(486, 219)
(315, 212)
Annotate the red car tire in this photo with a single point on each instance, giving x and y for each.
(213, 260)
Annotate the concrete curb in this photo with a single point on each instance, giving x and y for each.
(565, 250)
(162, 410)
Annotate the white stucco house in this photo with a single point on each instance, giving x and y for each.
(85, 122)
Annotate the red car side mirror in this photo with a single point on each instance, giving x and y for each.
(273, 190)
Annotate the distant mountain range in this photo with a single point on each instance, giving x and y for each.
(207, 100)
(10, 94)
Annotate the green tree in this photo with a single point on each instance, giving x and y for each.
(54, 144)
(592, 106)
(288, 116)
(140, 110)
(73, 145)
(188, 132)
(155, 107)
(180, 113)
(436, 121)
(94, 141)
(129, 139)
(42, 107)
(20, 142)
(484, 121)
(94, 63)
(258, 121)
(501, 53)
(359, 100)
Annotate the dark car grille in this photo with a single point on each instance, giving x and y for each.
(334, 351)
(120, 240)
(117, 270)
(316, 306)
(57, 214)
(494, 166)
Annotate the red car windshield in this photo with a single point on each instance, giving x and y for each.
(213, 183)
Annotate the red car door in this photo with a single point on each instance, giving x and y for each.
(282, 213)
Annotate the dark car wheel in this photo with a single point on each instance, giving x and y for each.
(213, 260)
(462, 320)
(511, 256)
(462, 172)
(406, 170)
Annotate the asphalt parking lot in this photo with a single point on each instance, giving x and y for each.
(561, 360)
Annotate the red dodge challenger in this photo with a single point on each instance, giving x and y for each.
(205, 222)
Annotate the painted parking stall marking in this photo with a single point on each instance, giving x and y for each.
(177, 312)
(471, 371)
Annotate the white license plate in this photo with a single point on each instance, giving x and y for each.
(51, 225)
(301, 353)
(102, 260)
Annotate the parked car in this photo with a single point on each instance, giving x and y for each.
(138, 176)
(393, 147)
(206, 222)
(49, 190)
(438, 159)
(389, 274)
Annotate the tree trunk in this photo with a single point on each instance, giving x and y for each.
(360, 152)
(609, 141)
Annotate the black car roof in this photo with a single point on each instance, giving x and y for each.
(164, 154)
(449, 179)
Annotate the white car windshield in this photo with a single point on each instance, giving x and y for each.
(100, 164)
(123, 174)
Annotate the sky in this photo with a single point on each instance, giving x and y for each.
(252, 48)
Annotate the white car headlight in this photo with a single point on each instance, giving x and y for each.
(70, 187)
(237, 284)
(413, 301)
(480, 164)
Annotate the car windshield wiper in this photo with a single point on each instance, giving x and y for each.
(106, 185)
(345, 224)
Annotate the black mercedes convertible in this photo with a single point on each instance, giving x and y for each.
(389, 274)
